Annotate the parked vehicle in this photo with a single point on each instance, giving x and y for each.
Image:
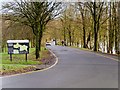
(48, 44)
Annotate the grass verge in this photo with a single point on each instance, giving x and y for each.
(8, 69)
(19, 64)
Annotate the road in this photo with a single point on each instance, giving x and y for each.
(76, 69)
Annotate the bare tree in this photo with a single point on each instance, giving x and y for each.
(35, 15)
(119, 27)
(96, 9)
(82, 9)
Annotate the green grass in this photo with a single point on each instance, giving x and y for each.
(7, 69)
(12, 66)
(18, 62)
(20, 58)
(21, 62)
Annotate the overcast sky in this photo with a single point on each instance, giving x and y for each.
(56, 0)
(1, 1)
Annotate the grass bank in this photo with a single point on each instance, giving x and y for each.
(19, 64)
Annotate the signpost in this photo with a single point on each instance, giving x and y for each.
(18, 47)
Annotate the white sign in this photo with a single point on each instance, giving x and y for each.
(18, 46)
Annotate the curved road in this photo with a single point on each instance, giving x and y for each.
(75, 69)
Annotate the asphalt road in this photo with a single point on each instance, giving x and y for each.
(75, 69)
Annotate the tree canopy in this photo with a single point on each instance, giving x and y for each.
(33, 14)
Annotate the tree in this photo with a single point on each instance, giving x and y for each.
(110, 30)
(119, 27)
(82, 9)
(96, 9)
(63, 20)
(15, 30)
(115, 26)
(35, 15)
(67, 23)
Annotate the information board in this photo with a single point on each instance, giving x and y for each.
(18, 46)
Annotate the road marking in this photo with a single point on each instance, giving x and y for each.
(36, 71)
(103, 56)
(108, 57)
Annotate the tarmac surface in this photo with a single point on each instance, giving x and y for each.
(75, 69)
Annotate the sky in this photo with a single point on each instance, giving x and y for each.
(1, 1)
(54, 0)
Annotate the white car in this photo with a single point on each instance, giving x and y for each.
(48, 44)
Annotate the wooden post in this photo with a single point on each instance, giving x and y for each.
(26, 57)
(11, 57)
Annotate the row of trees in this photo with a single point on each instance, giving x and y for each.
(12, 30)
(93, 25)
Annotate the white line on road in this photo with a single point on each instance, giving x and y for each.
(107, 57)
(104, 56)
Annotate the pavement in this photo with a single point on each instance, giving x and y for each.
(75, 69)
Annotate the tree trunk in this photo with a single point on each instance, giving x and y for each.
(70, 40)
(95, 42)
(109, 49)
(40, 39)
(88, 39)
(82, 10)
(70, 37)
(73, 37)
(84, 37)
(95, 29)
(84, 33)
(119, 27)
(111, 31)
(40, 35)
(104, 44)
(116, 30)
(64, 35)
(37, 46)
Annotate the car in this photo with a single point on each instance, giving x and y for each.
(48, 44)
